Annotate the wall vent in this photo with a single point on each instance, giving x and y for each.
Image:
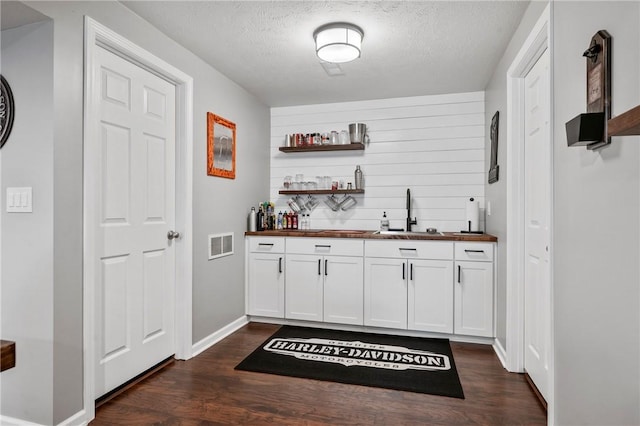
(220, 245)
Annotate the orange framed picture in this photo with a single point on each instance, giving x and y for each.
(221, 147)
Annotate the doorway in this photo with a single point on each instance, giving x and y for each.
(529, 211)
(113, 201)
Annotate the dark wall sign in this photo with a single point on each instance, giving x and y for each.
(7, 110)
(494, 168)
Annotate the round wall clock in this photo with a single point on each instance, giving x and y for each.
(7, 110)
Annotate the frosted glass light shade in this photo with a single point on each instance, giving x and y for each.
(338, 43)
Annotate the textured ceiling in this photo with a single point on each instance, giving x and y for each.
(410, 48)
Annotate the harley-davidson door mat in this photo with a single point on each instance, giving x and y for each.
(395, 362)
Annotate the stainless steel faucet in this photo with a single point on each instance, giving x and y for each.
(410, 221)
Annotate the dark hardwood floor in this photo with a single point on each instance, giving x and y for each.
(207, 390)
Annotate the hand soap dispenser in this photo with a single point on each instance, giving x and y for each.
(384, 223)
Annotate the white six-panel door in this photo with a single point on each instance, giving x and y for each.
(537, 230)
(134, 262)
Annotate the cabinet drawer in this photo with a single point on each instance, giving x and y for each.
(409, 249)
(266, 244)
(325, 246)
(482, 252)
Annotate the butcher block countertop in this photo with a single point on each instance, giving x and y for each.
(354, 233)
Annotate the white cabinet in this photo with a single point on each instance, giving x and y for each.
(324, 280)
(405, 291)
(474, 289)
(385, 292)
(343, 289)
(304, 287)
(265, 276)
(430, 301)
(432, 286)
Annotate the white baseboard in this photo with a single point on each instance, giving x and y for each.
(78, 419)
(377, 330)
(500, 352)
(10, 421)
(214, 338)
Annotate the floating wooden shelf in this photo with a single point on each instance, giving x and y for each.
(626, 124)
(312, 148)
(320, 191)
(7, 355)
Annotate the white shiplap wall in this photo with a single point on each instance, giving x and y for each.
(433, 145)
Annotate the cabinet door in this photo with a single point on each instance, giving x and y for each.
(430, 295)
(303, 296)
(474, 299)
(343, 289)
(385, 293)
(266, 285)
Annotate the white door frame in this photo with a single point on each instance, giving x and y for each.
(97, 36)
(538, 41)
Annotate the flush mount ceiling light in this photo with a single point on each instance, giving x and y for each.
(338, 42)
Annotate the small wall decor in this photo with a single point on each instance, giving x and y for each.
(590, 129)
(494, 168)
(221, 147)
(7, 110)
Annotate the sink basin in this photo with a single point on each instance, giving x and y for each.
(407, 233)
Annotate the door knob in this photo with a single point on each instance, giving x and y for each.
(173, 235)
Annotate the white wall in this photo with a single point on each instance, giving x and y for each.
(219, 204)
(27, 238)
(496, 193)
(433, 145)
(596, 233)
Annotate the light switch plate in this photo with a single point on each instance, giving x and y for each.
(20, 200)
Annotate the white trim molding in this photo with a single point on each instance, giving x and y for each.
(97, 35)
(12, 421)
(512, 357)
(536, 44)
(501, 353)
(204, 344)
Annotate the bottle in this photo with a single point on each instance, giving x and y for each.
(253, 220)
(294, 225)
(279, 223)
(260, 219)
(384, 223)
(309, 221)
(289, 221)
(358, 177)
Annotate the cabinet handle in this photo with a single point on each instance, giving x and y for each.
(323, 246)
(411, 272)
(265, 244)
(404, 248)
(280, 265)
(319, 266)
(473, 251)
(325, 267)
(459, 270)
(403, 272)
